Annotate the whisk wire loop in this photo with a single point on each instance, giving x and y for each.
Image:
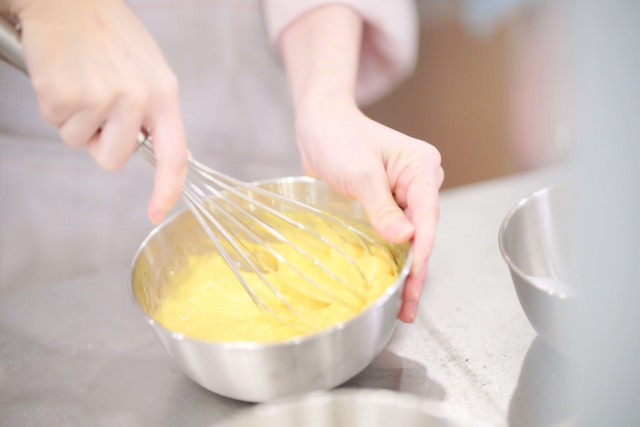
(202, 210)
(212, 175)
(201, 179)
(256, 238)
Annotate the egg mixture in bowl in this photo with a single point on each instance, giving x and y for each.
(210, 326)
(204, 299)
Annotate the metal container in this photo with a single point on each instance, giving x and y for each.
(258, 372)
(348, 408)
(535, 242)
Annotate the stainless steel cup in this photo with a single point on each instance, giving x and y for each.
(535, 241)
(259, 372)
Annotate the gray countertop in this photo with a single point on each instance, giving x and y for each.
(78, 353)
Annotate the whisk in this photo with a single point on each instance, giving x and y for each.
(242, 215)
(237, 216)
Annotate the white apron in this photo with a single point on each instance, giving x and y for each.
(61, 215)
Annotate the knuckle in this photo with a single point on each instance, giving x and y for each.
(65, 97)
(427, 159)
(168, 85)
(383, 211)
(50, 114)
(430, 154)
(135, 95)
(70, 138)
(56, 103)
(94, 97)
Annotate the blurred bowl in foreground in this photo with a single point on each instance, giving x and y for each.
(258, 372)
(535, 242)
(348, 408)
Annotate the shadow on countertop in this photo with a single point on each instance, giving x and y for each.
(543, 394)
(392, 372)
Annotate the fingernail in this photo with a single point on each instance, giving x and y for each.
(404, 231)
(157, 217)
(413, 310)
(417, 291)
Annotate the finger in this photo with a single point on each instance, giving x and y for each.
(422, 200)
(423, 210)
(414, 284)
(117, 139)
(78, 129)
(386, 217)
(57, 101)
(408, 312)
(411, 294)
(169, 145)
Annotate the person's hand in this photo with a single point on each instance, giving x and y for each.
(92, 65)
(396, 178)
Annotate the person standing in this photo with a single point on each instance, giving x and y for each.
(209, 73)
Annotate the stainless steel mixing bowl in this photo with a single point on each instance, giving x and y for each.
(535, 242)
(258, 372)
(348, 408)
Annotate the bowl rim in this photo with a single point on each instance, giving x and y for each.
(257, 345)
(501, 237)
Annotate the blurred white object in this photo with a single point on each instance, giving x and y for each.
(349, 408)
(540, 84)
(481, 17)
(389, 40)
(607, 60)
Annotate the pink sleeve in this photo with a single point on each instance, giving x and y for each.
(389, 45)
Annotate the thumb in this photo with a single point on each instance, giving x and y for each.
(386, 217)
(306, 165)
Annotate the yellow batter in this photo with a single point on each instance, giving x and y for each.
(204, 300)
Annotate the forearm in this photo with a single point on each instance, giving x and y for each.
(321, 51)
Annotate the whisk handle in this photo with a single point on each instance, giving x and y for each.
(10, 46)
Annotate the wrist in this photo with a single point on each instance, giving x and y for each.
(325, 99)
(321, 110)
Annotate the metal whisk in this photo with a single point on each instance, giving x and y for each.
(242, 214)
(244, 222)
